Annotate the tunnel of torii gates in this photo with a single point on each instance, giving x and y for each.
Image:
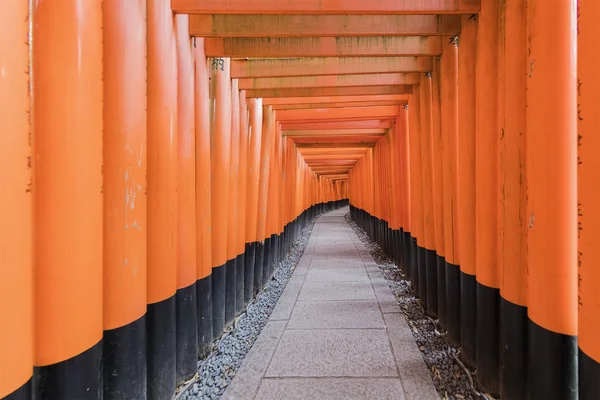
(158, 158)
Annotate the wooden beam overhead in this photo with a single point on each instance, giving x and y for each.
(326, 6)
(258, 25)
(379, 46)
(344, 145)
(332, 91)
(334, 113)
(331, 99)
(337, 139)
(333, 132)
(309, 106)
(331, 81)
(314, 66)
(370, 124)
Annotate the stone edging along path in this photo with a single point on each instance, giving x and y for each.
(216, 371)
(450, 379)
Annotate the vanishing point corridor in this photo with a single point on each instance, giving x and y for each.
(337, 331)
(299, 199)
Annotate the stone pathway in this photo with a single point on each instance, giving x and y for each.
(336, 332)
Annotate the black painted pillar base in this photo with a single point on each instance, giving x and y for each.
(423, 277)
(249, 273)
(205, 315)
(266, 263)
(488, 339)
(552, 366)
(589, 377)
(468, 317)
(186, 339)
(407, 254)
(258, 267)
(513, 350)
(80, 377)
(124, 362)
(416, 252)
(240, 262)
(22, 393)
(230, 286)
(453, 301)
(160, 333)
(441, 291)
(218, 295)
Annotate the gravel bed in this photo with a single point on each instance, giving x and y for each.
(449, 378)
(216, 371)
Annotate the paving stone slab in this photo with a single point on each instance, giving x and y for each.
(333, 353)
(415, 377)
(285, 305)
(337, 291)
(354, 314)
(247, 380)
(336, 274)
(331, 389)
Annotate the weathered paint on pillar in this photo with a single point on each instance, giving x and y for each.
(67, 187)
(466, 184)
(186, 301)
(203, 200)
(16, 263)
(125, 201)
(512, 250)
(449, 113)
(552, 200)
(589, 214)
(427, 260)
(486, 199)
(162, 198)
(220, 157)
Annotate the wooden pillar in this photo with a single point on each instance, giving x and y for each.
(16, 267)
(125, 206)
(437, 186)
(589, 214)
(233, 261)
(486, 204)
(254, 151)
(162, 198)
(466, 185)
(512, 251)
(449, 94)
(416, 190)
(263, 193)
(552, 200)
(185, 299)
(427, 258)
(405, 179)
(203, 201)
(220, 137)
(243, 247)
(67, 187)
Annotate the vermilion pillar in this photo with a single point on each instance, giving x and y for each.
(416, 189)
(162, 198)
(427, 258)
(255, 109)
(512, 251)
(125, 206)
(449, 112)
(220, 157)
(404, 128)
(16, 267)
(187, 319)
(268, 133)
(486, 204)
(466, 185)
(233, 208)
(552, 200)
(67, 186)
(203, 200)
(589, 214)
(243, 247)
(437, 186)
